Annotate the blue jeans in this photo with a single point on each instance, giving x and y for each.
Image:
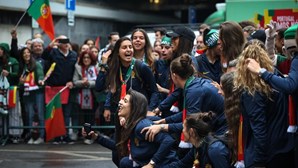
(67, 108)
(35, 102)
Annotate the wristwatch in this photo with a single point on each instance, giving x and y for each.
(262, 70)
(152, 163)
(105, 66)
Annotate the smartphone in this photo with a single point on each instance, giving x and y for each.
(87, 128)
(63, 41)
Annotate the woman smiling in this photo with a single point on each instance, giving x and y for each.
(133, 107)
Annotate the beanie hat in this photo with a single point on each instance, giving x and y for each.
(165, 41)
(290, 32)
(5, 47)
(290, 45)
(211, 38)
(183, 32)
(259, 35)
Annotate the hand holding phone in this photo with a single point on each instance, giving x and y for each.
(63, 41)
(87, 128)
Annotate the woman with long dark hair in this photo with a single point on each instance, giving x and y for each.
(31, 80)
(119, 72)
(233, 116)
(231, 41)
(142, 46)
(182, 41)
(84, 77)
(133, 107)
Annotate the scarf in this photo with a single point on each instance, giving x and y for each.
(127, 76)
(292, 119)
(240, 153)
(182, 143)
(174, 107)
(30, 83)
(86, 99)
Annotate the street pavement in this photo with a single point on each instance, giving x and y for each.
(78, 155)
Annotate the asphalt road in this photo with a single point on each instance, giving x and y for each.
(78, 155)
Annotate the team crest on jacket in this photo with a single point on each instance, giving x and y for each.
(136, 142)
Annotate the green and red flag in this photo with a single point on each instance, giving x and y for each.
(40, 10)
(54, 120)
(259, 19)
(12, 96)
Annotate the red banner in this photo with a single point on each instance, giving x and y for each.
(284, 17)
(50, 92)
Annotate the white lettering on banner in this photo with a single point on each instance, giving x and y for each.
(283, 24)
(286, 21)
(285, 18)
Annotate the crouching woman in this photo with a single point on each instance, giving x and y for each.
(133, 107)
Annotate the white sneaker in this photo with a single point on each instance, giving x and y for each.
(56, 142)
(74, 136)
(30, 141)
(88, 141)
(15, 140)
(38, 141)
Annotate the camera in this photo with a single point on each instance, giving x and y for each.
(87, 128)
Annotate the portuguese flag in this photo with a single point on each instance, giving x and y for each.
(54, 120)
(40, 10)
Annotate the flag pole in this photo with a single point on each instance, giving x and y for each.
(65, 87)
(15, 28)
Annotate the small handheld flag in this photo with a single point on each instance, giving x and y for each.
(51, 69)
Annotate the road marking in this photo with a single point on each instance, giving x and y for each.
(69, 153)
(49, 151)
(57, 160)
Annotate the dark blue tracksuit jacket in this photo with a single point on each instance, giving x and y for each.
(201, 96)
(64, 68)
(162, 76)
(265, 124)
(142, 81)
(214, 153)
(288, 85)
(212, 71)
(160, 151)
